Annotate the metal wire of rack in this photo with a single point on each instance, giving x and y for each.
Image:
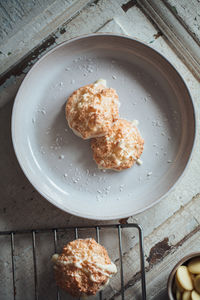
(55, 231)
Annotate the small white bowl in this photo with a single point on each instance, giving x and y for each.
(171, 279)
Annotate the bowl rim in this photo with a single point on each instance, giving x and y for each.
(172, 273)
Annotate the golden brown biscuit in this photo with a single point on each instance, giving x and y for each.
(119, 148)
(83, 268)
(91, 110)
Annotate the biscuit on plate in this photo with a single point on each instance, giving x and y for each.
(120, 148)
(83, 268)
(91, 110)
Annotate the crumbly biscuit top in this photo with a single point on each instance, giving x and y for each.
(83, 267)
(92, 109)
(120, 147)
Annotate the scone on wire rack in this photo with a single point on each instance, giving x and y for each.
(83, 268)
(120, 148)
(91, 110)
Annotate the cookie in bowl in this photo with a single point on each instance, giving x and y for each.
(120, 148)
(91, 110)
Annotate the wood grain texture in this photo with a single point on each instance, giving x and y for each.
(15, 14)
(33, 30)
(179, 37)
(189, 13)
(171, 227)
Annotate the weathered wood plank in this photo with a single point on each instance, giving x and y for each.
(15, 14)
(38, 28)
(188, 13)
(180, 39)
(110, 8)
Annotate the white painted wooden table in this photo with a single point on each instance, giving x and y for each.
(172, 227)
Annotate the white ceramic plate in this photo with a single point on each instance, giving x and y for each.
(60, 165)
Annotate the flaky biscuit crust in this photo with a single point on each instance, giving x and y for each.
(77, 269)
(91, 110)
(120, 148)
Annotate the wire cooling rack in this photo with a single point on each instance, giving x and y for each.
(75, 230)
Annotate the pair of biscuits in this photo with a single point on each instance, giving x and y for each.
(92, 111)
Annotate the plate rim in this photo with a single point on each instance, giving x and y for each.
(34, 182)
